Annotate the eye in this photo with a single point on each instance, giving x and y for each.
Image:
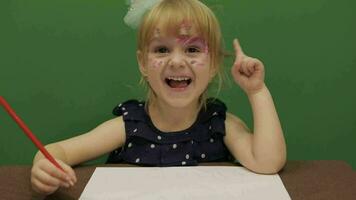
(193, 49)
(161, 50)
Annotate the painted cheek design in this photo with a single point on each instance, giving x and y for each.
(160, 63)
(197, 63)
(201, 64)
(157, 63)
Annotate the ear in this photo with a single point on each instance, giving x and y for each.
(141, 63)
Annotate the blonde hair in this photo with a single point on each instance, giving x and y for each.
(169, 15)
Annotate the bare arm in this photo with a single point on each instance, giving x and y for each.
(263, 151)
(103, 139)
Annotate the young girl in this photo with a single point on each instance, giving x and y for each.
(179, 53)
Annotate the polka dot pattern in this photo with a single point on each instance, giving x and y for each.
(202, 142)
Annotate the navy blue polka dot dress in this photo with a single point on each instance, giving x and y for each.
(148, 146)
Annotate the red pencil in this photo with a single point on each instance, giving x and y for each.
(29, 133)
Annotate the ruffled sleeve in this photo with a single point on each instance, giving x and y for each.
(130, 110)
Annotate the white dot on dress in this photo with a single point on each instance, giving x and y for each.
(137, 160)
(211, 140)
(120, 105)
(129, 145)
(183, 163)
(159, 137)
(202, 155)
(187, 156)
(125, 113)
(152, 146)
(140, 104)
(123, 108)
(135, 130)
(174, 146)
(215, 113)
(209, 127)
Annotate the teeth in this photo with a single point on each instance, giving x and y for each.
(178, 78)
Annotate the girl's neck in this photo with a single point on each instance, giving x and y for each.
(171, 119)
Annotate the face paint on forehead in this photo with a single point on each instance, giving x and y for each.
(184, 40)
(185, 28)
(156, 33)
(200, 42)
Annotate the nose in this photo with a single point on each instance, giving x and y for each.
(177, 60)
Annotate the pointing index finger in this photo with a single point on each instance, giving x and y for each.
(238, 49)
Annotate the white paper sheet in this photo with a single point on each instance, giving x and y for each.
(173, 183)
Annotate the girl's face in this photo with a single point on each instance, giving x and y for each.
(178, 68)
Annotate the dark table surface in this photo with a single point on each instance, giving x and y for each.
(325, 179)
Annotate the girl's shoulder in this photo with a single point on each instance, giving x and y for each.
(131, 110)
(123, 108)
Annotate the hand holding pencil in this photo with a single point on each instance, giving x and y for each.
(46, 178)
(47, 175)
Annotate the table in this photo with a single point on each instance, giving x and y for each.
(324, 179)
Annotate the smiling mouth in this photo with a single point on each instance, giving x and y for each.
(178, 82)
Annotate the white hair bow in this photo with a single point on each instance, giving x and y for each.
(136, 11)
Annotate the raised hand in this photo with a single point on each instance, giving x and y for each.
(248, 72)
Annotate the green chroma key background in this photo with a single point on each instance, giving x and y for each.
(65, 64)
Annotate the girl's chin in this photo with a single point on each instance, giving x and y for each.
(180, 97)
(181, 102)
